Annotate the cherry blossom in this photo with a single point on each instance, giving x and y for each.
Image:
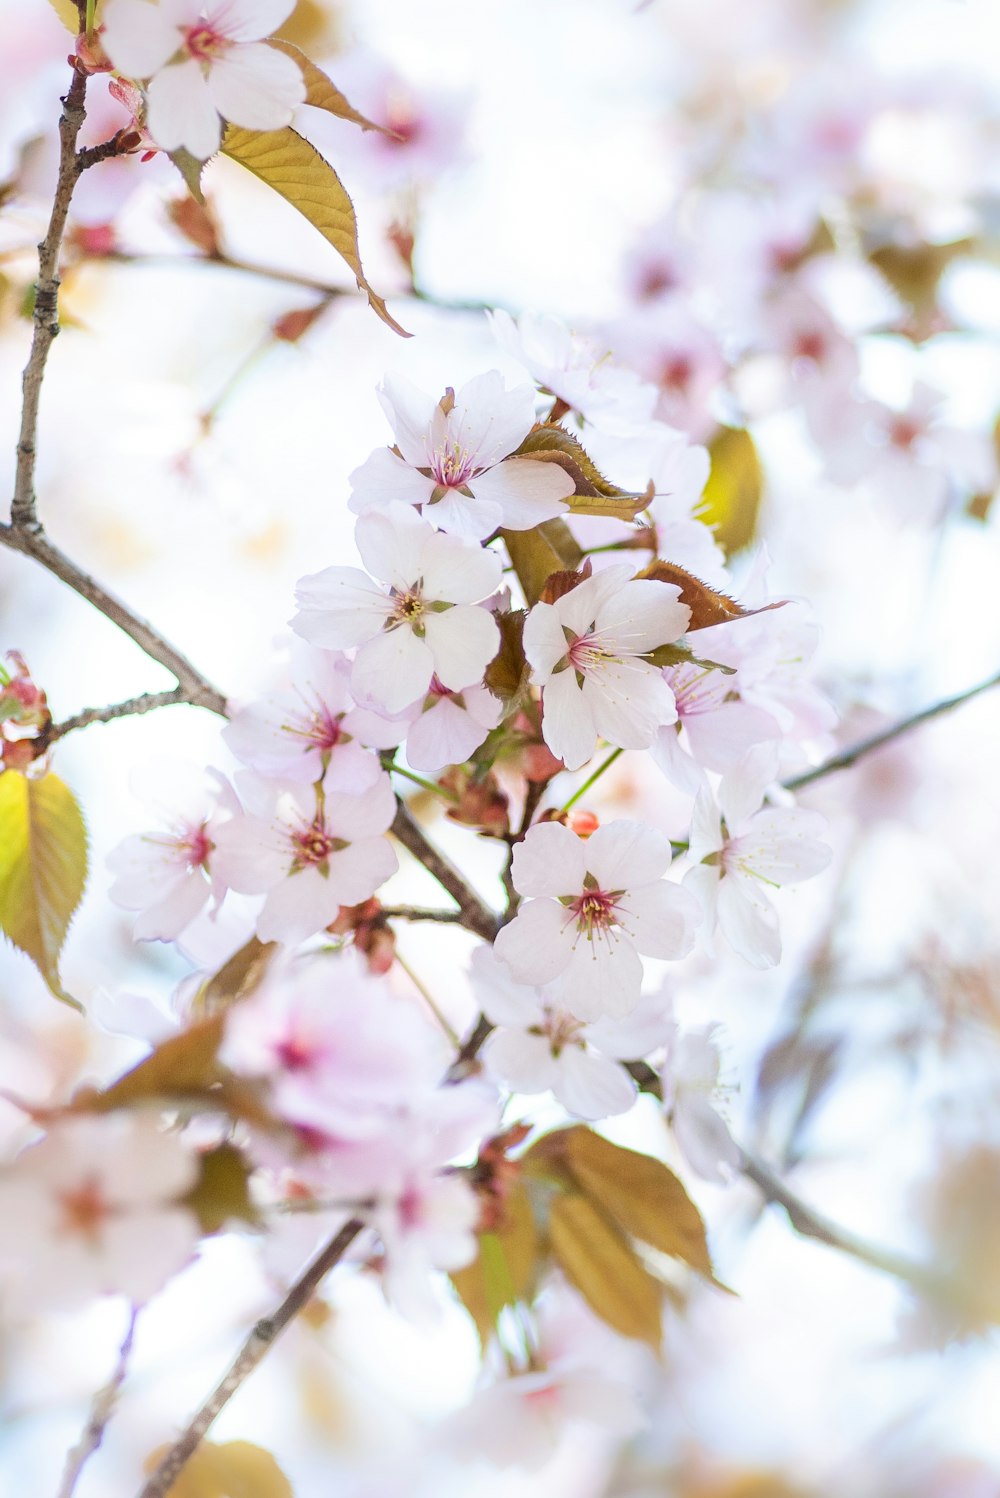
(200, 61)
(94, 1209)
(453, 457)
(585, 652)
(451, 726)
(308, 849)
(540, 1046)
(314, 727)
(418, 621)
(597, 904)
(690, 1080)
(170, 875)
(716, 726)
(738, 852)
(520, 1421)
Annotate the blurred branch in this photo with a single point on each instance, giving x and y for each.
(473, 913)
(848, 757)
(100, 1413)
(33, 542)
(264, 1334)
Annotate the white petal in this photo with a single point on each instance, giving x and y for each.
(180, 111)
(704, 1139)
(384, 479)
(642, 615)
(748, 920)
(521, 1061)
(391, 545)
(467, 517)
(782, 846)
(591, 1086)
(604, 977)
(503, 1001)
(165, 920)
(567, 720)
(456, 571)
(367, 815)
(256, 86)
(580, 607)
(524, 491)
(339, 607)
(550, 860)
(463, 641)
(298, 907)
(629, 700)
(624, 854)
(537, 944)
(358, 871)
(137, 37)
(393, 669)
(444, 735)
(246, 20)
(544, 642)
(409, 411)
(662, 919)
(251, 855)
(676, 764)
(489, 420)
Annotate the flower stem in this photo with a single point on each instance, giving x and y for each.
(431, 1002)
(585, 787)
(427, 785)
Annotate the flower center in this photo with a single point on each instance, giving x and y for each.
(204, 43)
(586, 653)
(594, 912)
(408, 608)
(561, 1030)
(198, 845)
(321, 728)
(452, 465)
(84, 1209)
(314, 844)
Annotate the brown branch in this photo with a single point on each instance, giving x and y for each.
(33, 542)
(421, 913)
(475, 915)
(45, 316)
(101, 1411)
(134, 707)
(848, 757)
(264, 1334)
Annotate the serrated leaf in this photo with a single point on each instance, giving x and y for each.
(507, 673)
(322, 92)
(68, 14)
(536, 554)
(190, 169)
(645, 1198)
(221, 1192)
(239, 976)
(593, 493)
(236, 1469)
(295, 170)
(598, 1261)
(731, 500)
(43, 868)
(505, 1268)
(183, 1065)
(707, 605)
(681, 655)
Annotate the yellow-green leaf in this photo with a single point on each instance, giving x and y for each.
(43, 868)
(190, 169)
(322, 93)
(68, 14)
(506, 1267)
(593, 494)
(536, 554)
(239, 976)
(298, 173)
(221, 1192)
(644, 1198)
(731, 501)
(598, 1261)
(237, 1469)
(183, 1065)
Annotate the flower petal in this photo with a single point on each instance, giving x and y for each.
(550, 860)
(463, 641)
(624, 854)
(256, 86)
(180, 111)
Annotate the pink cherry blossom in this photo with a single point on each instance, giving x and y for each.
(451, 726)
(597, 904)
(200, 61)
(314, 727)
(309, 850)
(521, 1420)
(94, 1209)
(585, 652)
(691, 1086)
(714, 727)
(453, 457)
(170, 875)
(418, 621)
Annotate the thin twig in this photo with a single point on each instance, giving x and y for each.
(101, 1411)
(421, 913)
(475, 914)
(465, 1063)
(33, 542)
(848, 757)
(45, 316)
(264, 1334)
(134, 707)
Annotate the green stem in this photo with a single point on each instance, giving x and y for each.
(585, 787)
(429, 1001)
(427, 785)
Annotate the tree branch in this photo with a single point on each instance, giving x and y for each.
(474, 914)
(421, 913)
(848, 757)
(33, 542)
(264, 1334)
(100, 1413)
(135, 706)
(45, 316)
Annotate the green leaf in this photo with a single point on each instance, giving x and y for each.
(237, 1469)
(322, 93)
(190, 169)
(731, 501)
(681, 655)
(536, 554)
(221, 1192)
(43, 868)
(593, 494)
(298, 173)
(506, 1267)
(598, 1261)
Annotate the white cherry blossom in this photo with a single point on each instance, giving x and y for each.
(201, 61)
(451, 726)
(714, 727)
(596, 907)
(585, 652)
(308, 853)
(94, 1209)
(419, 620)
(453, 457)
(691, 1086)
(169, 875)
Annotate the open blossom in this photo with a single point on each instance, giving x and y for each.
(202, 61)
(738, 853)
(539, 1046)
(314, 727)
(169, 875)
(307, 853)
(418, 621)
(714, 728)
(94, 1209)
(690, 1081)
(453, 457)
(595, 905)
(451, 726)
(585, 652)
